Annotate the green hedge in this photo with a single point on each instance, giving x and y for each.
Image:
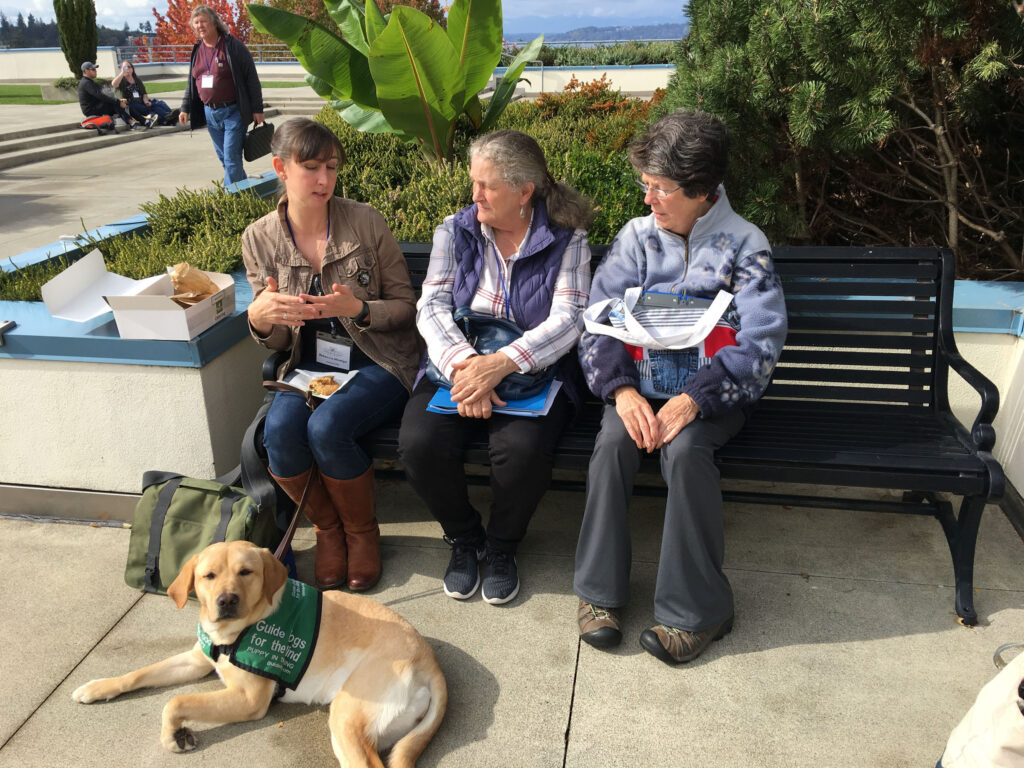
(618, 54)
(583, 132)
(203, 228)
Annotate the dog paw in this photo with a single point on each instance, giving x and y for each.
(183, 740)
(90, 692)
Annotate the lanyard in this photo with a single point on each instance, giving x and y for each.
(208, 60)
(292, 234)
(501, 278)
(317, 286)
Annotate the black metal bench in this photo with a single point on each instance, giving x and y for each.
(859, 398)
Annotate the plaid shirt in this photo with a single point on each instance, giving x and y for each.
(538, 347)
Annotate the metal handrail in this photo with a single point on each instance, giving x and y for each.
(152, 53)
(276, 52)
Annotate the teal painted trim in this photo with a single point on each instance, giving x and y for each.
(988, 307)
(40, 336)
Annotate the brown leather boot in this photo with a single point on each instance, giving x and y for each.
(331, 554)
(353, 499)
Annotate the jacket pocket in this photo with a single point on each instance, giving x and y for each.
(671, 369)
(359, 270)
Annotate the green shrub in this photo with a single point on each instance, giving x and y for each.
(25, 284)
(618, 54)
(584, 133)
(202, 228)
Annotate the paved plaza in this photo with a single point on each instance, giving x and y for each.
(845, 652)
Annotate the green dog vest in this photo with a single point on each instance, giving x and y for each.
(280, 646)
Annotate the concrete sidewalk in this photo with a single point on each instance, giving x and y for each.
(846, 651)
(43, 201)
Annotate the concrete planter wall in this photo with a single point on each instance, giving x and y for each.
(87, 410)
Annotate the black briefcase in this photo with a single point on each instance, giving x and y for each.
(257, 141)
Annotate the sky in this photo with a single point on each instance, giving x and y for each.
(520, 15)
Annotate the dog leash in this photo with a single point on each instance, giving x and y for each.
(312, 402)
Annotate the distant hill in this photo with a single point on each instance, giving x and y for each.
(646, 32)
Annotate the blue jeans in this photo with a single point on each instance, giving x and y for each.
(228, 133)
(295, 437)
(140, 111)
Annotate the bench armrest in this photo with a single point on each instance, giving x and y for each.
(982, 432)
(271, 364)
(983, 435)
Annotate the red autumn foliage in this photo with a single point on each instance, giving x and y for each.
(174, 28)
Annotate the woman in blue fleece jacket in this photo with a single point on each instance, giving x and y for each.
(692, 243)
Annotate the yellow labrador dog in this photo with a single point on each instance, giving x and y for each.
(380, 676)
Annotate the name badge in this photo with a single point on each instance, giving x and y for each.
(206, 81)
(335, 351)
(135, 94)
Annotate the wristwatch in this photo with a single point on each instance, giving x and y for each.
(363, 314)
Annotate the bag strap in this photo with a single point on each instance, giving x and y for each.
(635, 334)
(226, 508)
(156, 529)
(286, 540)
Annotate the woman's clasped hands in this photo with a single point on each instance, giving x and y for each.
(650, 430)
(272, 307)
(474, 380)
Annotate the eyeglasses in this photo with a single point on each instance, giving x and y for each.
(661, 193)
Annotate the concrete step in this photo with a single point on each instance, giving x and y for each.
(89, 141)
(71, 132)
(70, 138)
(37, 130)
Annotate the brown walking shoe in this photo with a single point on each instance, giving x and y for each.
(678, 646)
(599, 626)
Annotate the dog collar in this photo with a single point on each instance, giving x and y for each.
(280, 646)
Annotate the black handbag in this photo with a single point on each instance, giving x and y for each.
(257, 141)
(487, 335)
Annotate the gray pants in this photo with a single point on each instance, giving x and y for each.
(692, 591)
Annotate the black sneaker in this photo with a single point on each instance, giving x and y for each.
(152, 120)
(463, 575)
(501, 577)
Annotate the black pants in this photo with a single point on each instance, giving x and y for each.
(520, 449)
(114, 110)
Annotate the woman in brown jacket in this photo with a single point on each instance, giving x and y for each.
(331, 287)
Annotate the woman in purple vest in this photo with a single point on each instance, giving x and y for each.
(518, 252)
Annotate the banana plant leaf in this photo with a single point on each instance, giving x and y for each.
(374, 22)
(420, 85)
(474, 27)
(349, 19)
(506, 87)
(322, 87)
(366, 120)
(321, 53)
(475, 111)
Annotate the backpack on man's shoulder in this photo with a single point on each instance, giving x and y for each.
(100, 123)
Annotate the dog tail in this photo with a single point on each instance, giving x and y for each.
(408, 748)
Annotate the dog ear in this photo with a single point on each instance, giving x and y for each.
(275, 574)
(183, 584)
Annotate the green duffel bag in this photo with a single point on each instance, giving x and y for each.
(178, 517)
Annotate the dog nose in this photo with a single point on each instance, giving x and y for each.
(227, 602)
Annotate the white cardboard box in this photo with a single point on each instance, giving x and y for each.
(142, 309)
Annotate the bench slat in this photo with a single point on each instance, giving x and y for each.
(789, 271)
(852, 376)
(911, 289)
(877, 359)
(861, 306)
(799, 337)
